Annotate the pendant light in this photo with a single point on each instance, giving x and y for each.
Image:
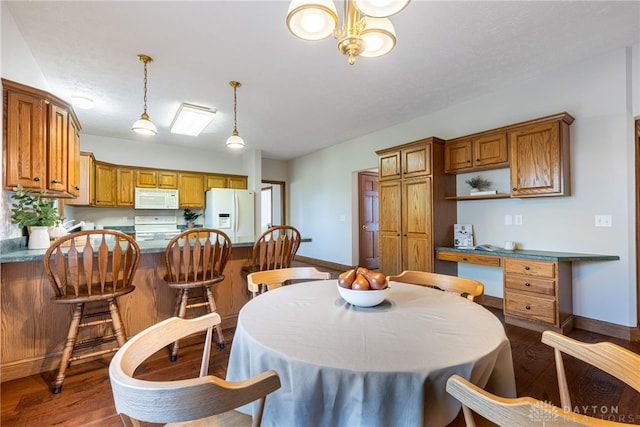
(144, 126)
(234, 141)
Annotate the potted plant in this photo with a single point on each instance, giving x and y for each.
(190, 217)
(478, 184)
(36, 212)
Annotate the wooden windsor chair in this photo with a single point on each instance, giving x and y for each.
(272, 279)
(98, 267)
(468, 288)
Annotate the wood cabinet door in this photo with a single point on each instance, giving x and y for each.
(536, 160)
(491, 150)
(191, 190)
(125, 192)
(25, 145)
(73, 160)
(215, 181)
(417, 245)
(168, 179)
(457, 156)
(237, 182)
(57, 146)
(86, 196)
(390, 226)
(146, 178)
(105, 184)
(389, 166)
(416, 161)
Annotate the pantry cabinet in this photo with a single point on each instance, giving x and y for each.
(41, 134)
(413, 213)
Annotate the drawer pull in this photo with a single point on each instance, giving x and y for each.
(465, 259)
(527, 284)
(55, 181)
(36, 179)
(527, 307)
(527, 268)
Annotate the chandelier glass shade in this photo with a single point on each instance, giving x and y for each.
(143, 125)
(366, 31)
(235, 142)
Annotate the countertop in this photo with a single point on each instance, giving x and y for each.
(534, 254)
(19, 253)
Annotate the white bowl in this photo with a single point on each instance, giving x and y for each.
(360, 298)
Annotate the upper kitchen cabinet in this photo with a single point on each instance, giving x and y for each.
(87, 194)
(125, 189)
(41, 140)
(149, 178)
(238, 182)
(540, 157)
(482, 151)
(105, 187)
(405, 162)
(191, 190)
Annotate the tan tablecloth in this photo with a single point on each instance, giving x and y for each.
(387, 365)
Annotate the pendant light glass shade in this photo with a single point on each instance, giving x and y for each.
(143, 126)
(312, 20)
(379, 37)
(381, 8)
(235, 142)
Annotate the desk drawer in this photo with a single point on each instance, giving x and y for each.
(530, 267)
(530, 307)
(493, 261)
(530, 284)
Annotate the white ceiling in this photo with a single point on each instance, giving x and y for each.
(296, 96)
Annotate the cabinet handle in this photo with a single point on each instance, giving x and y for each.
(468, 161)
(514, 189)
(477, 160)
(527, 268)
(527, 284)
(76, 187)
(55, 181)
(464, 259)
(405, 235)
(36, 179)
(527, 307)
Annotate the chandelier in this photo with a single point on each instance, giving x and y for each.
(366, 31)
(143, 125)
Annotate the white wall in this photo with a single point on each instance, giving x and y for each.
(599, 93)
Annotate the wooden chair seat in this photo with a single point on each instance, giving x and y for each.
(201, 401)
(468, 288)
(196, 259)
(91, 272)
(272, 279)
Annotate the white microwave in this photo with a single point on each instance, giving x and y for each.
(156, 198)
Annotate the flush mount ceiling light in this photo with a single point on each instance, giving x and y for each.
(143, 126)
(366, 32)
(191, 119)
(82, 102)
(234, 141)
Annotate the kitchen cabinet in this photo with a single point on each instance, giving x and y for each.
(38, 130)
(484, 151)
(238, 182)
(540, 158)
(149, 178)
(125, 189)
(105, 187)
(413, 213)
(87, 195)
(191, 190)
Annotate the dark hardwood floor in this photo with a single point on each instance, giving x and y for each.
(86, 398)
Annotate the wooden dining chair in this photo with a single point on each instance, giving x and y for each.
(274, 249)
(468, 288)
(272, 279)
(96, 269)
(196, 259)
(522, 411)
(207, 399)
(606, 356)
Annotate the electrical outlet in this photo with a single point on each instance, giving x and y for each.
(603, 221)
(508, 220)
(518, 219)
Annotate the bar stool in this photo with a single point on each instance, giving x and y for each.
(98, 267)
(194, 259)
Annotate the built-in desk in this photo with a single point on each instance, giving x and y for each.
(537, 284)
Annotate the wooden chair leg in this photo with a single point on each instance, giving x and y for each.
(182, 313)
(213, 309)
(118, 328)
(69, 344)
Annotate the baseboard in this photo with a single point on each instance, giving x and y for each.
(321, 263)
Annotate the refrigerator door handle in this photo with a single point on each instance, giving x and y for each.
(235, 213)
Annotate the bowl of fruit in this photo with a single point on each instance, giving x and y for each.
(362, 287)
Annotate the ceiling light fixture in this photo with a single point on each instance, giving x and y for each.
(366, 32)
(234, 141)
(191, 119)
(144, 126)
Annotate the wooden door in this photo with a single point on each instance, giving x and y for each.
(389, 166)
(457, 156)
(73, 160)
(168, 179)
(146, 178)
(417, 250)
(125, 184)
(416, 161)
(57, 145)
(368, 220)
(105, 184)
(390, 223)
(491, 150)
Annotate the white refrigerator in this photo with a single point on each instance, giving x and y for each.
(231, 211)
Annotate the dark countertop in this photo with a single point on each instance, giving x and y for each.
(534, 254)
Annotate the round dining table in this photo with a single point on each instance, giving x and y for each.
(342, 365)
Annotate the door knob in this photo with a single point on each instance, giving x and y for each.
(364, 227)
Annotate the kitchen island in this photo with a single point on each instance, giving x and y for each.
(33, 329)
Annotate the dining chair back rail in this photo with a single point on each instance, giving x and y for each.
(468, 288)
